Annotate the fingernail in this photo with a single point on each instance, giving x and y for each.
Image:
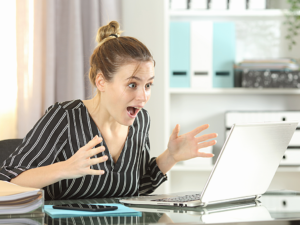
(99, 138)
(217, 135)
(102, 172)
(95, 137)
(105, 157)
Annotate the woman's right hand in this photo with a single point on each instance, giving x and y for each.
(80, 163)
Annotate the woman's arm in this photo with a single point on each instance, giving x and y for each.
(76, 166)
(185, 147)
(41, 176)
(165, 161)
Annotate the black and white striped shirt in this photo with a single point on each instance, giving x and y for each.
(65, 128)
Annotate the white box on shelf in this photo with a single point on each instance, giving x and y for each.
(198, 4)
(291, 158)
(237, 4)
(218, 5)
(295, 141)
(199, 161)
(257, 4)
(178, 4)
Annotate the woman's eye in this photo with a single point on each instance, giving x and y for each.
(149, 85)
(132, 85)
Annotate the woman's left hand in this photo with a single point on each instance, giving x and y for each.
(188, 146)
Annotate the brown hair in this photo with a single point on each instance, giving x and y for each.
(112, 52)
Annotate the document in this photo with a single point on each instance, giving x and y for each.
(15, 199)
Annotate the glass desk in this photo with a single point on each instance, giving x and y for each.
(280, 208)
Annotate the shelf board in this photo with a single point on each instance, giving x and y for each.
(191, 168)
(228, 13)
(235, 91)
(183, 168)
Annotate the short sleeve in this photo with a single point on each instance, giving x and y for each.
(150, 174)
(40, 146)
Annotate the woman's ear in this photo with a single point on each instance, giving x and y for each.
(100, 82)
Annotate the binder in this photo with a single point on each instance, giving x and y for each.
(237, 5)
(257, 4)
(201, 54)
(198, 4)
(218, 4)
(223, 54)
(179, 54)
(178, 4)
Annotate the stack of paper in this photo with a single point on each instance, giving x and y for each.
(15, 199)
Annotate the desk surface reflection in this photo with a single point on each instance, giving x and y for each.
(273, 208)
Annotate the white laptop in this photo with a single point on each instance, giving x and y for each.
(243, 171)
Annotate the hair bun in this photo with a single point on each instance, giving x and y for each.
(112, 27)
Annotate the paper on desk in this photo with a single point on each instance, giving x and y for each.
(10, 191)
(63, 213)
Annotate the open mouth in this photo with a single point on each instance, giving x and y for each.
(133, 111)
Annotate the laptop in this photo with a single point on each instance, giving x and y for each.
(243, 170)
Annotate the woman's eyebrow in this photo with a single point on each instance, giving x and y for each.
(137, 78)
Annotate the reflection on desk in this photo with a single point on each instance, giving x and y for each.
(272, 208)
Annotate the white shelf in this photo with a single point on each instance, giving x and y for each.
(290, 91)
(182, 168)
(191, 168)
(227, 13)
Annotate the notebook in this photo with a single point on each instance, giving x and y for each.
(121, 211)
(243, 170)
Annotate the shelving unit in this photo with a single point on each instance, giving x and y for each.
(218, 100)
(228, 13)
(182, 168)
(248, 91)
(189, 107)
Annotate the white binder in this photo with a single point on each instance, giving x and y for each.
(201, 54)
(257, 4)
(218, 4)
(198, 4)
(237, 5)
(178, 4)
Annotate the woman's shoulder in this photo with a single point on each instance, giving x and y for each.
(144, 113)
(142, 119)
(66, 105)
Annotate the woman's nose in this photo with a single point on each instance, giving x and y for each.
(143, 95)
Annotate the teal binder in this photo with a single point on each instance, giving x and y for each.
(179, 54)
(223, 54)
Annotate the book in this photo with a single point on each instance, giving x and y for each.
(15, 199)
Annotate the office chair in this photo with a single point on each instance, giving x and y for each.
(7, 147)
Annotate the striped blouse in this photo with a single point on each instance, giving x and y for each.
(65, 128)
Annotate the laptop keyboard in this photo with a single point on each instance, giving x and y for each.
(185, 198)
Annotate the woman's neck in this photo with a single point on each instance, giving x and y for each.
(101, 116)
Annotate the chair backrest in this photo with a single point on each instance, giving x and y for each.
(7, 147)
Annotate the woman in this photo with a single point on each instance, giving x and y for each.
(100, 147)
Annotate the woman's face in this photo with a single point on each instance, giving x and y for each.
(126, 94)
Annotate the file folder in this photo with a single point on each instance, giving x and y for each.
(121, 211)
(223, 54)
(201, 54)
(179, 54)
